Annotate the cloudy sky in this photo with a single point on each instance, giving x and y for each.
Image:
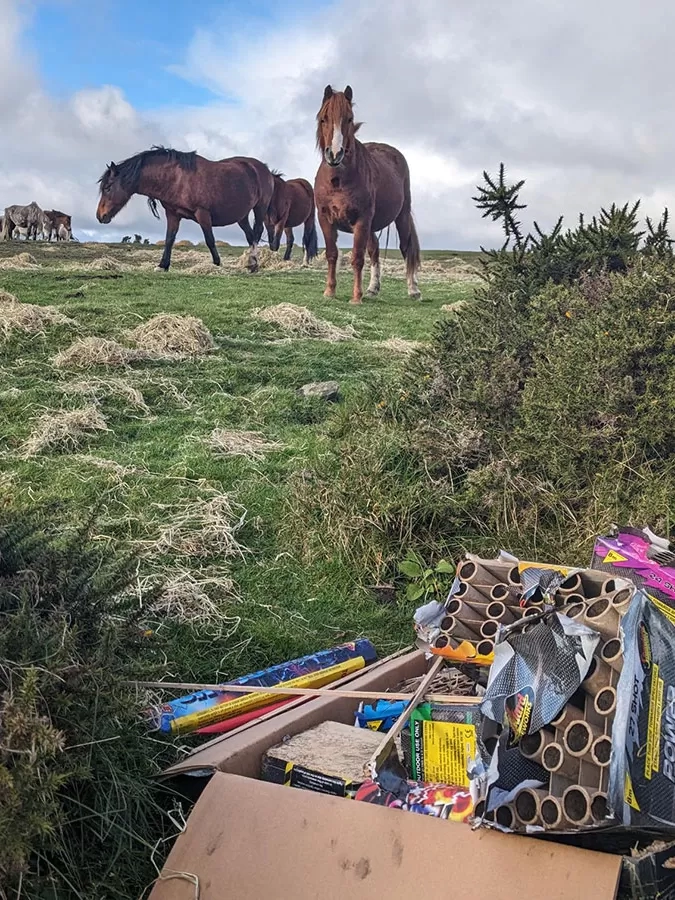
(575, 97)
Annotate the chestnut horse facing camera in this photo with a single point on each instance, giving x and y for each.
(191, 187)
(361, 188)
(292, 205)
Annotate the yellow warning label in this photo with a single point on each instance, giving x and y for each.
(663, 608)
(628, 794)
(613, 556)
(447, 748)
(288, 773)
(653, 749)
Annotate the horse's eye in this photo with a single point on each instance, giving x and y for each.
(323, 121)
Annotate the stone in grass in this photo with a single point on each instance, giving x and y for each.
(324, 390)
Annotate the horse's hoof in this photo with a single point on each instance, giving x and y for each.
(372, 294)
(253, 268)
(329, 295)
(160, 269)
(356, 301)
(417, 295)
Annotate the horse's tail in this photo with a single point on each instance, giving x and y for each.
(309, 239)
(413, 253)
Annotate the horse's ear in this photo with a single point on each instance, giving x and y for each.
(113, 168)
(357, 125)
(349, 94)
(328, 93)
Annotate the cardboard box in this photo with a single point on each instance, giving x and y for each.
(246, 839)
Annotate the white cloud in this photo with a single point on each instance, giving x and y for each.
(574, 96)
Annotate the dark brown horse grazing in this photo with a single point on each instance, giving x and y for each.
(292, 205)
(191, 187)
(361, 188)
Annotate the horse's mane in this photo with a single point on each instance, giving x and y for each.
(276, 173)
(129, 170)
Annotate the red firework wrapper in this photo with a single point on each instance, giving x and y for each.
(443, 801)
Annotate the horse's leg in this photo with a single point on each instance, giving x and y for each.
(172, 223)
(245, 226)
(203, 218)
(361, 237)
(374, 254)
(330, 238)
(410, 250)
(289, 243)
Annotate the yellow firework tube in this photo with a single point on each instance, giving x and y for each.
(248, 702)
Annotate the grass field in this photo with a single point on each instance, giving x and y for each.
(215, 527)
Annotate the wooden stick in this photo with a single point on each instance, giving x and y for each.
(303, 692)
(388, 740)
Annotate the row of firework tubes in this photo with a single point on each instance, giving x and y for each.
(575, 749)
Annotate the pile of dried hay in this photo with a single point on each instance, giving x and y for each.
(191, 257)
(173, 336)
(266, 260)
(299, 322)
(96, 388)
(204, 267)
(180, 244)
(186, 597)
(64, 429)
(104, 264)
(28, 317)
(453, 307)
(252, 444)
(92, 351)
(202, 528)
(399, 345)
(20, 261)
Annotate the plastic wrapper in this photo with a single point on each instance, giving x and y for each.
(443, 801)
(640, 556)
(536, 672)
(642, 768)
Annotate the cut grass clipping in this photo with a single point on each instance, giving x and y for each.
(252, 444)
(173, 336)
(299, 322)
(28, 317)
(200, 528)
(64, 429)
(95, 389)
(20, 261)
(399, 345)
(90, 352)
(194, 598)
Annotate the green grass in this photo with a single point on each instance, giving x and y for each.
(285, 603)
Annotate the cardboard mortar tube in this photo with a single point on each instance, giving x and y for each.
(514, 576)
(601, 750)
(603, 617)
(555, 760)
(621, 600)
(578, 737)
(567, 714)
(485, 648)
(599, 810)
(571, 585)
(552, 813)
(463, 609)
(489, 629)
(604, 701)
(593, 585)
(502, 593)
(598, 678)
(576, 803)
(471, 594)
(573, 610)
(610, 652)
(527, 805)
(500, 613)
(476, 574)
(532, 745)
(463, 630)
(505, 815)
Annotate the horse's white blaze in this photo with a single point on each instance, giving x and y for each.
(338, 140)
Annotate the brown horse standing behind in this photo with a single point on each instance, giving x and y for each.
(292, 205)
(191, 187)
(361, 188)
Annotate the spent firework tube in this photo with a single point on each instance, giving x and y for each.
(245, 718)
(380, 715)
(247, 702)
(162, 716)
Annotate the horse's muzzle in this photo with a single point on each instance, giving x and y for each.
(332, 159)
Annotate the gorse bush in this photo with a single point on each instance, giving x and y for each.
(541, 413)
(76, 800)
